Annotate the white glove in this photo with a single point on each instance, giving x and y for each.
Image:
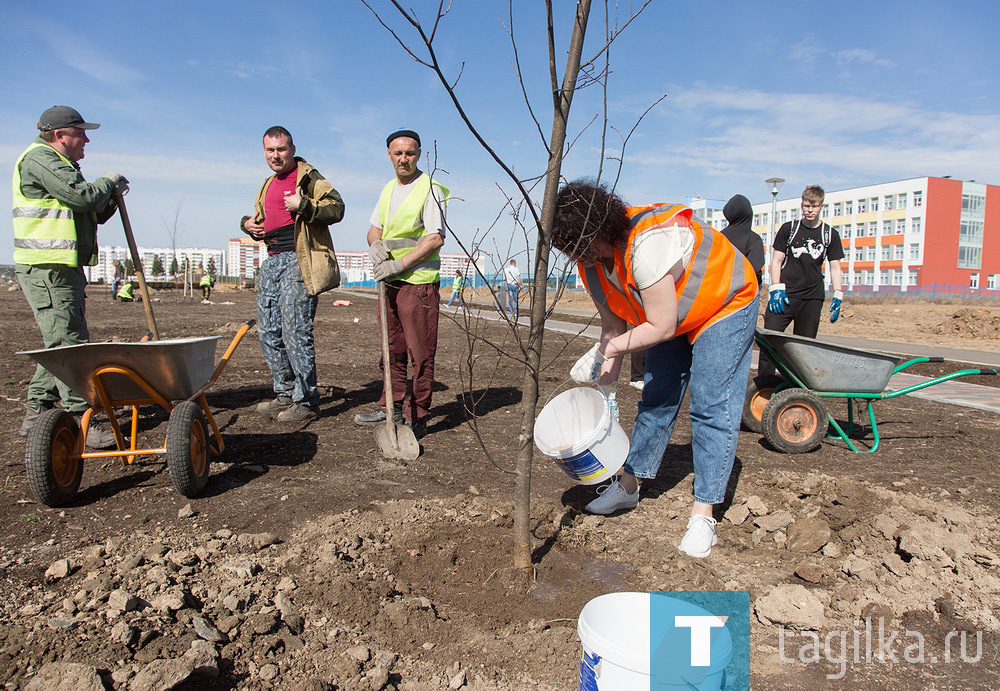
(588, 368)
(611, 393)
(119, 181)
(378, 252)
(386, 269)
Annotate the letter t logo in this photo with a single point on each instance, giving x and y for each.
(701, 637)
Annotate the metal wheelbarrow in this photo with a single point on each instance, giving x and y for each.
(174, 374)
(789, 410)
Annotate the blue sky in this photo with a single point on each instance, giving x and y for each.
(839, 94)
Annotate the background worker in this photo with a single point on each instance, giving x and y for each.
(512, 282)
(797, 287)
(692, 300)
(292, 215)
(55, 217)
(118, 270)
(739, 212)
(125, 293)
(457, 286)
(405, 239)
(206, 284)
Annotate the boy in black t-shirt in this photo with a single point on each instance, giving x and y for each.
(797, 290)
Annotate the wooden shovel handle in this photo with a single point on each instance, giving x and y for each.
(147, 305)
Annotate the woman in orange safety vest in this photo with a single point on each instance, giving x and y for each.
(692, 300)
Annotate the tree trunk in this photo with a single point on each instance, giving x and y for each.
(562, 100)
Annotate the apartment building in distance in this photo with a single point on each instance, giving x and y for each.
(929, 234)
(245, 255)
(197, 257)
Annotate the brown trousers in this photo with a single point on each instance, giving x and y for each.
(413, 334)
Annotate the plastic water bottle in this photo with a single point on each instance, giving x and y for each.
(611, 393)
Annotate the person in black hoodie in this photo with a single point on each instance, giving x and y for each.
(739, 213)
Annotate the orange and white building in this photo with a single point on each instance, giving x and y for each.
(930, 235)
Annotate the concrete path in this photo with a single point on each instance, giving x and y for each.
(956, 391)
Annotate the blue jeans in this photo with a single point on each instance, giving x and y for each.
(285, 314)
(716, 366)
(512, 307)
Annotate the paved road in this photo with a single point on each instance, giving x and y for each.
(956, 392)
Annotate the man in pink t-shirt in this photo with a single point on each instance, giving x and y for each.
(295, 201)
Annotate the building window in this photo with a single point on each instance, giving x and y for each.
(872, 228)
(825, 213)
(897, 251)
(869, 254)
(883, 278)
(862, 206)
(918, 198)
(886, 252)
(991, 281)
(970, 257)
(901, 200)
(838, 209)
(912, 280)
(859, 254)
(973, 280)
(848, 208)
(888, 202)
(795, 214)
(873, 204)
(914, 250)
(886, 227)
(915, 225)
(845, 232)
(897, 277)
(900, 226)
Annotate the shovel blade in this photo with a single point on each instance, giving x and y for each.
(405, 448)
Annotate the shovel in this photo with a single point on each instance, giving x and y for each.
(395, 441)
(137, 264)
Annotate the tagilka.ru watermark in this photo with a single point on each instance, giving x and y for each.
(871, 643)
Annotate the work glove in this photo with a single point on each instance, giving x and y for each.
(778, 300)
(588, 368)
(119, 181)
(378, 252)
(838, 297)
(387, 268)
(611, 394)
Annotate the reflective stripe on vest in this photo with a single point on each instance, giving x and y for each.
(44, 229)
(401, 234)
(716, 282)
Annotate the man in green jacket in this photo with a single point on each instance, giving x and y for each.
(292, 215)
(55, 218)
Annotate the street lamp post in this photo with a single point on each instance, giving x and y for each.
(774, 185)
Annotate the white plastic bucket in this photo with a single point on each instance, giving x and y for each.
(577, 430)
(614, 654)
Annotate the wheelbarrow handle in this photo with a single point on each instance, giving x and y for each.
(988, 371)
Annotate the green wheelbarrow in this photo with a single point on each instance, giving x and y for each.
(789, 410)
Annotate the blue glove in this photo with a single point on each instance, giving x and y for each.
(778, 300)
(838, 297)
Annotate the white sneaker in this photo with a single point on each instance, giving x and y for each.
(700, 537)
(612, 498)
(637, 384)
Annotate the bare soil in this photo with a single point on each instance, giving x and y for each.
(313, 562)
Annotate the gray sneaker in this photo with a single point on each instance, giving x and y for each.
(35, 408)
(376, 418)
(298, 413)
(275, 405)
(100, 435)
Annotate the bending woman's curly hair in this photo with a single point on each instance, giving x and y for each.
(587, 211)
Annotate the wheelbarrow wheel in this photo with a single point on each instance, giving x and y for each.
(53, 462)
(187, 449)
(759, 392)
(794, 421)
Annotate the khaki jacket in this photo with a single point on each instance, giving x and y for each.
(321, 207)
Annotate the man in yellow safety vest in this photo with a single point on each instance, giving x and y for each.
(405, 238)
(55, 217)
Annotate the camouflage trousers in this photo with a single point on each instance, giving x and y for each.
(285, 314)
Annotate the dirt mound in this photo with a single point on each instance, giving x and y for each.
(971, 323)
(366, 600)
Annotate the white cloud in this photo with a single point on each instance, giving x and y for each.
(80, 54)
(860, 55)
